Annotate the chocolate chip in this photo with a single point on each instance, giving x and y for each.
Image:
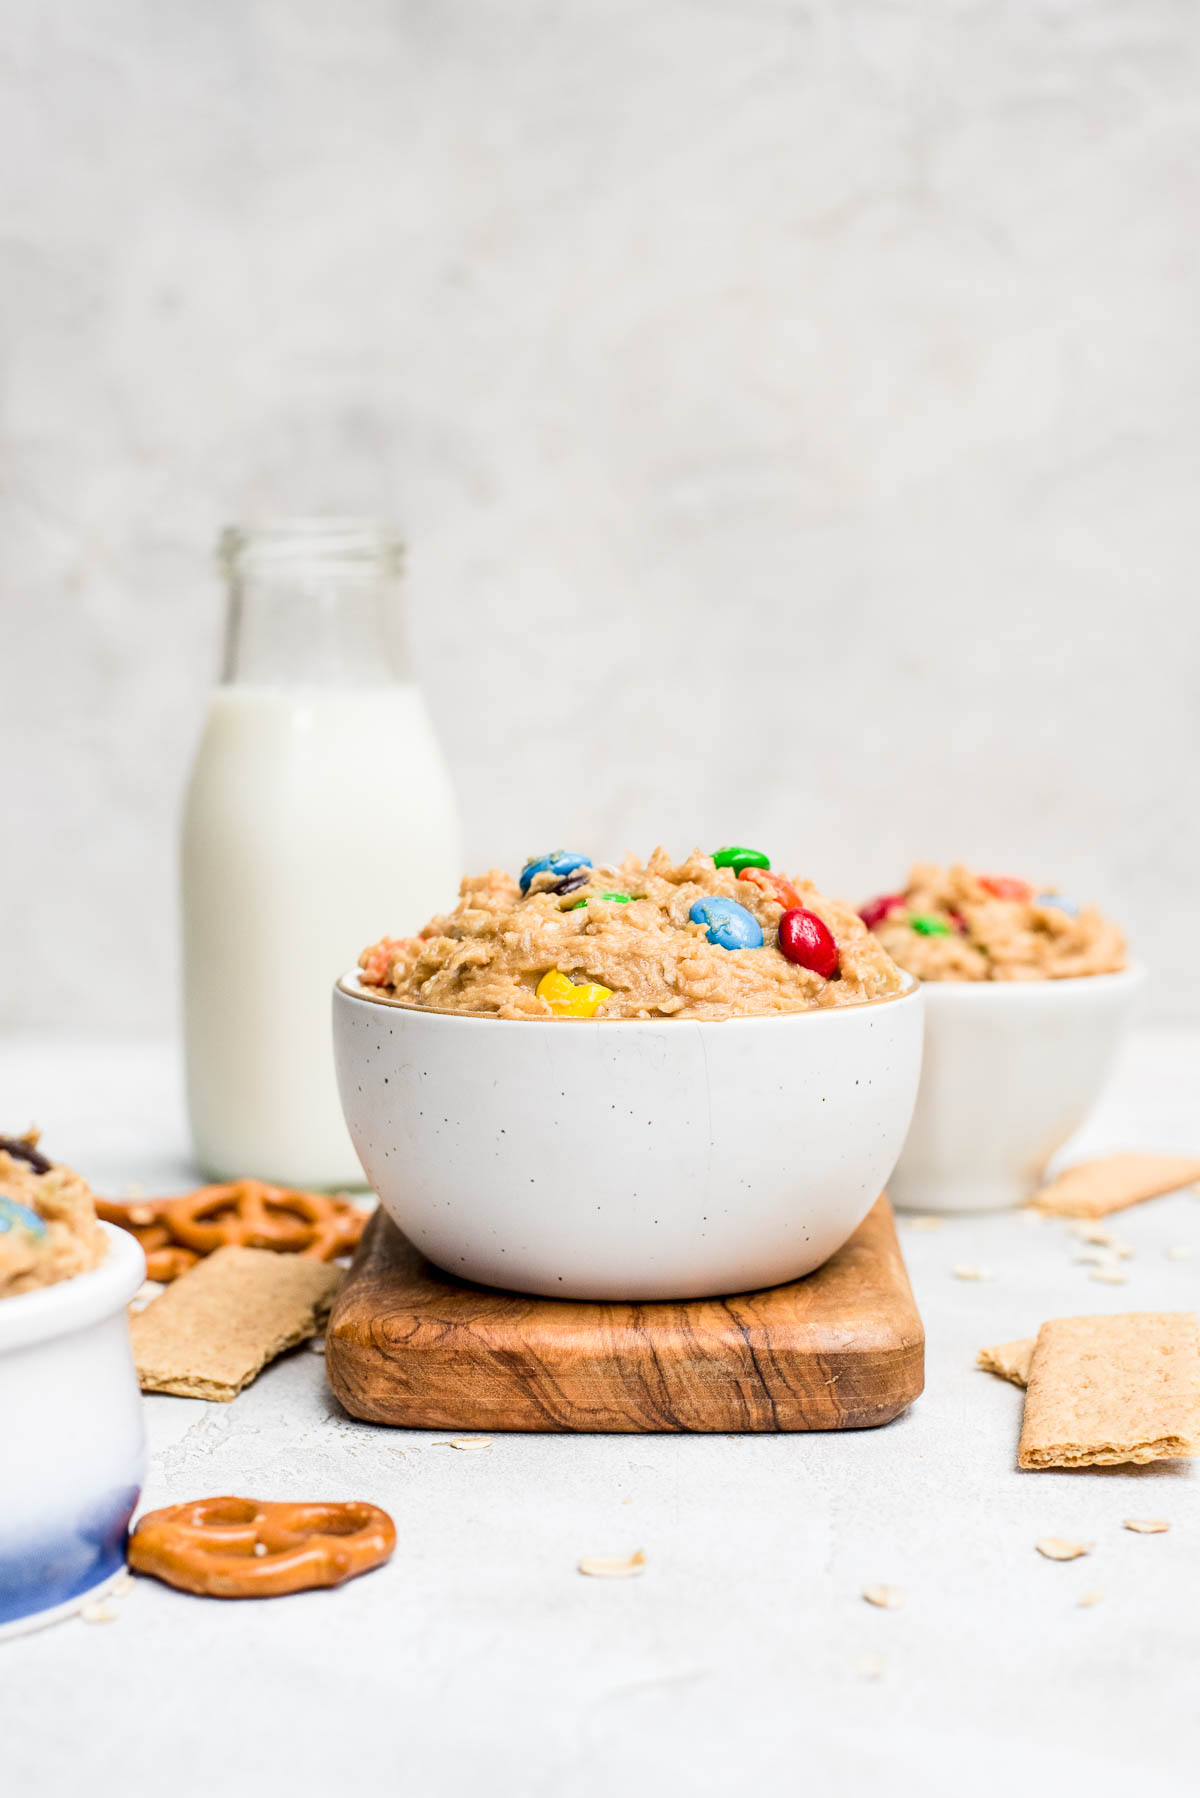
(22, 1149)
(570, 883)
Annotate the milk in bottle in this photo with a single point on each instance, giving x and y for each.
(319, 817)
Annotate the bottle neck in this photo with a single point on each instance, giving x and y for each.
(313, 603)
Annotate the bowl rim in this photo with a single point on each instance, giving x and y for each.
(69, 1305)
(350, 987)
(1017, 992)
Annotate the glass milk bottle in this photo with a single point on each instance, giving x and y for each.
(319, 817)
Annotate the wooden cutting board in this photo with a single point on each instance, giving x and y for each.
(842, 1349)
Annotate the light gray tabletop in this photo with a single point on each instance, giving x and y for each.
(481, 1660)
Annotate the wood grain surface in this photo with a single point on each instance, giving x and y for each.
(842, 1349)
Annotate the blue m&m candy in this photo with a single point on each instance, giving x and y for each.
(14, 1216)
(558, 862)
(1059, 903)
(726, 923)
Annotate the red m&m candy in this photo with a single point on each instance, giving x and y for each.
(876, 910)
(808, 942)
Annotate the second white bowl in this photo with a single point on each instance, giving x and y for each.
(627, 1159)
(1012, 1069)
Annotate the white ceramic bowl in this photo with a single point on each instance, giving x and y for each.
(1012, 1068)
(627, 1158)
(73, 1448)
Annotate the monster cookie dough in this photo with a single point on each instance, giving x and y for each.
(48, 1228)
(955, 925)
(711, 937)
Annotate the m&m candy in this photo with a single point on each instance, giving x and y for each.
(1057, 901)
(15, 1216)
(1000, 886)
(566, 1000)
(726, 923)
(773, 885)
(558, 862)
(808, 941)
(735, 857)
(876, 910)
(617, 899)
(924, 925)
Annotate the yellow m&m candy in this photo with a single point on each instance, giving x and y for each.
(566, 1000)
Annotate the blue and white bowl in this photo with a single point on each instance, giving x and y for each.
(73, 1454)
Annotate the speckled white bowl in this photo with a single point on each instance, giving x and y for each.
(1012, 1069)
(627, 1158)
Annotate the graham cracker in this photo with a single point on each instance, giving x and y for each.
(213, 1329)
(1104, 1390)
(1008, 1359)
(1094, 1188)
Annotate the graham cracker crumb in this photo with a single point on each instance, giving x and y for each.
(1108, 1390)
(1010, 1360)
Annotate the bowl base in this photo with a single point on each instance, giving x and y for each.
(59, 1613)
(947, 1194)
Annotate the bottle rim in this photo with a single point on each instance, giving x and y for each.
(277, 543)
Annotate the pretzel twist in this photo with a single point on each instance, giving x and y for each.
(244, 1548)
(175, 1233)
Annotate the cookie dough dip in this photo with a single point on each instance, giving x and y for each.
(48, 1228)
(951, 924)
(716, 936)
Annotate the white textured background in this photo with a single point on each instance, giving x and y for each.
(793, 408)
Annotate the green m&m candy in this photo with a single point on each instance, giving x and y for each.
(735, 857)
(927, 926)
(618, 898)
